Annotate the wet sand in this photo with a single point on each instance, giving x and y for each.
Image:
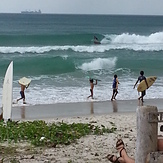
(50, 111)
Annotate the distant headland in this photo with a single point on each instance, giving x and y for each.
(31, 12)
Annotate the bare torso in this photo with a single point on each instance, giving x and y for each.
(22, 88)
(92, 85)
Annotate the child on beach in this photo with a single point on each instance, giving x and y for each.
(115, 87)
(92, 87)
(22, 93)
(141, 78)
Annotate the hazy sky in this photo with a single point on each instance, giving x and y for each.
(141, 7)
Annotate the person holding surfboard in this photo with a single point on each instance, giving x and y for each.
(24, 83)
(115, 87)
(92, 87)
(141, 78)
(22, 93)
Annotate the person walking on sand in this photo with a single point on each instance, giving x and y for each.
(141, 78)
(92, 87)
(115, 87)
(22, 93)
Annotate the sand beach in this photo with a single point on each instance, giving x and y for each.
(92, 148)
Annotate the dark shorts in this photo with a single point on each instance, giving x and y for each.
(91, 91)
(22, 94)
(143, 93)
(115, 90)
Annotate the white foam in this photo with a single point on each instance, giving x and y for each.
(126, 38)
(50, 90)
(99, 63)
(152, 42)
(44, 94)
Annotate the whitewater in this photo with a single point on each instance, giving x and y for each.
(153, 42)
(58, 54)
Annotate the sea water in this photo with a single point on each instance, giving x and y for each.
(58, 54)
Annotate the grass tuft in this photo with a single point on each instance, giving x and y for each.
(40, 133)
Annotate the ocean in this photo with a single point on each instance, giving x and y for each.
(57, 52)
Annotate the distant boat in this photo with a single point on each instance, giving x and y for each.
(31, 12)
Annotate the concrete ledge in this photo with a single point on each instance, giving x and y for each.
(155, 157)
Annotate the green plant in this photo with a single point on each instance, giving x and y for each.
(40, 133)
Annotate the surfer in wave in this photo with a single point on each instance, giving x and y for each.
(96, 41)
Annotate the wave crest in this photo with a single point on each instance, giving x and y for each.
(152, 42)
(99, 63)
(126, 38)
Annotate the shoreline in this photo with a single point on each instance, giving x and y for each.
(49, 111)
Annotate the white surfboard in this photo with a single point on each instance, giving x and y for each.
(7, 93)
(143, 86)
(25, 81)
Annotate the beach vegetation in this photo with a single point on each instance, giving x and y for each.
(40, 133)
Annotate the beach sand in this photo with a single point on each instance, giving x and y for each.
(92, 148)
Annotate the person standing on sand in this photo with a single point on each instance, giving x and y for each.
(92, 87)
(141, 78)
(22, 93)
(115, 87)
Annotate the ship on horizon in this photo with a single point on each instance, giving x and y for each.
(31, 12)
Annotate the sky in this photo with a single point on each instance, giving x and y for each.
(129, 7)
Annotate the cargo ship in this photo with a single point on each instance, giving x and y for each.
(31, 12)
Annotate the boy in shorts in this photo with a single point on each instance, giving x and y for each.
(22, 93)
(115, 87)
